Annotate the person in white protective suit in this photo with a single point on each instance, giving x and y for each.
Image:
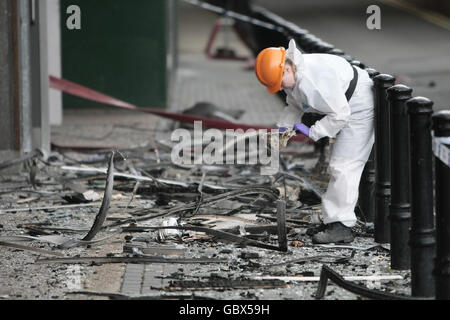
(329, 85)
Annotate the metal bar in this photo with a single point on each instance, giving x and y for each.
(100, 260)
(310, 185)
(21, 159)
(400, 209)
(346, 278)
(281, 224)
(78, 205)
(120, 296)
(190, 206)
(212, 36)
(382, 158)
(328, 273)
(225, 284)
(101, 215)
(332, 259)
(217, 233)
(32, 249)
(441, 127)
(295, 221)
(422, 235)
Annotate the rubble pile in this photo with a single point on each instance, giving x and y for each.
(74, 224)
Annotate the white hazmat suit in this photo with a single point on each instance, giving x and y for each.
(321, 83)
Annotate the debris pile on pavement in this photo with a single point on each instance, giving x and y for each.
(73, 221)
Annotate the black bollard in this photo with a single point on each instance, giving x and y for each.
(358, 64)
(320, 47)
(317, 46)
(366, 199)
(327, 47)
(400, 209)
(314, 46)
(422, 234)
(441, 127)
(299, 38)
(337, 52)
(295, 30)
(367, 185)
(372, 72)
(348, 58)
(281, 225)
(307, 42)
(303, 41)
(382, 158)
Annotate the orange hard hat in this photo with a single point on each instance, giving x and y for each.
(269, 67)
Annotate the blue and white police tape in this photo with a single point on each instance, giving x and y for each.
(441, 148)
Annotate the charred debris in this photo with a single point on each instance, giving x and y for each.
(159, 212)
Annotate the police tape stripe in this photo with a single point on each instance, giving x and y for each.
(441, 150)
(89, 94)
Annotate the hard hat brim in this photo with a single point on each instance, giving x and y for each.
(274, 89)
(273, 85)
(277, 87)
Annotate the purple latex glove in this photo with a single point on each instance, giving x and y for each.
(301, 128)
(282, 129)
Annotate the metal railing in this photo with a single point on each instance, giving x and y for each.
(396, 189)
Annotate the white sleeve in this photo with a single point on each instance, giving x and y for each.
(328, 98)
(289, 116)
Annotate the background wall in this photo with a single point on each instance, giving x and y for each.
(121, 50)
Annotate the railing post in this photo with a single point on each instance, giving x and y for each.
(382, 158)
(367, 184)
(358, 64)
(326, 47)
(422, 235)
(304, 42)
(441, 127)
(337, 52)
(400, 209)
(372, 72)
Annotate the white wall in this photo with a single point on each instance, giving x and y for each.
(54, 58)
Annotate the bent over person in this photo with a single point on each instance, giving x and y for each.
(328, 85)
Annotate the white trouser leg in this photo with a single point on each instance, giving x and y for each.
(348, 157)
(339, 201)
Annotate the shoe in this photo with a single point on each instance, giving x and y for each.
(334, 232)
(312, 231)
